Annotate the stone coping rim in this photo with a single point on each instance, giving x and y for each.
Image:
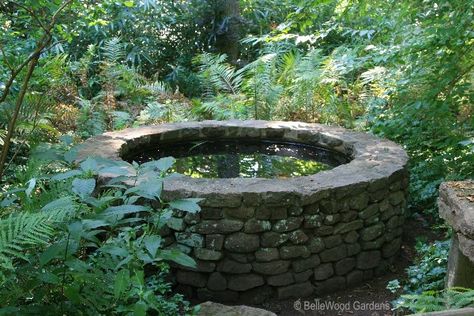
(373, 159)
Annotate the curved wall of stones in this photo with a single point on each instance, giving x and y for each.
(259, 238)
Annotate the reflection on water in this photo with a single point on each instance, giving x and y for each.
(245, 159)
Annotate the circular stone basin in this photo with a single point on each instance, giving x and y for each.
(244, 158)
(282, 237)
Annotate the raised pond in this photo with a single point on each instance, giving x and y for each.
(245, 158)
(289, 209)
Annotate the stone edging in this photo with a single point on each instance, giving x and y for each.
(260, 238)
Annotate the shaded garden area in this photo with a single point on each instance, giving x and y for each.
(71, 70)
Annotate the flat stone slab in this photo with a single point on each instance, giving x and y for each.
(216, 309)
(456, 206)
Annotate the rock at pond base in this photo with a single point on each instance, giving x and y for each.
(216, 309)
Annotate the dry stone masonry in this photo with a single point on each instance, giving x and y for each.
(259, 238)
(456, 206)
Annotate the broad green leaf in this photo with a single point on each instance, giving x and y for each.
(52, 252)
(83, 187)
(125, 209)
(67, 175)
(140, 309)
(178, 257)
(188, 205)
(114, 250)
(150, 188)
(162, 164)
(122, 281)
(90, 164)
(152, 244)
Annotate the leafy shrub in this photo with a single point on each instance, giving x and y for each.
(90, 250)
(433, 301)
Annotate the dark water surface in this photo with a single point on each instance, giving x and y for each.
(244, 159)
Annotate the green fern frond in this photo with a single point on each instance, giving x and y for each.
(113, 50)
(20, 232)
(217, 75)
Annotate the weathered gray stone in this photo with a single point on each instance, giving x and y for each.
(243, 212)
(351, 237)
(267, 254)
(333, 254)
(325, 230)
(176, 223)
(272, 239)
(204, 294)
(312, 221)
(223, 226)
(263, 212)
(330, 206)
(286, 225)
(316, 245)
(373, 244)
(311, 209)
(303, 276)
(396, 198)
(195, 279)
(257, 226)
(257, 296)
(192, 218)
(353, 249)
(216, 282)
(332, 219)
(295, 210)
(330, 285)
(190, 239)
(323, 272)
(332, 241)
(211, 213)
(344, 266)
(278, 213)
(241, 242)
(243, 282)
(378, 195)
(368, 259)
(354, 278)
(372, 232)
(369, 211)
(281, 279)
(394, 222)
(305, 264)
(231, 266)
(372, 220)
(295, 290)
(391, 248)
(288, 252)
(359, 202)
(211, 308)
(214, 241)
(241, 257)
(272, 267)
(207, 254)
(298, 237)
(342, 228)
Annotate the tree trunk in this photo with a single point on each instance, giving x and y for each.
(228, 31)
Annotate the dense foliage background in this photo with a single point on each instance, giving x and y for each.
(73, 69)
